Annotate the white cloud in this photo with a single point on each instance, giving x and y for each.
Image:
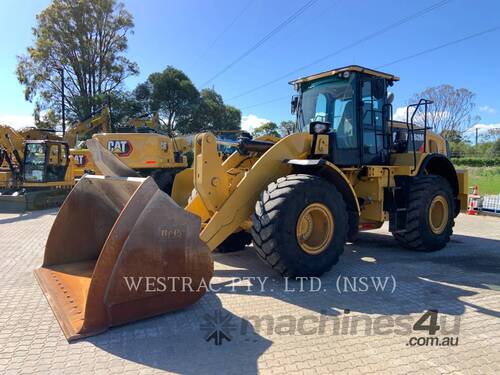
(483, 128)
(250, 122)
(17, 121)
(399, 114)
(487, 108)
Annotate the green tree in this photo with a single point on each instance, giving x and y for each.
(47, 120)
(452, 136)
(495, 149)
(170, 92)
(232, 118)
(287, 127)
(123, 105)
(85, 40)
(183, 108)
(210, 114)
(461, 148)
(269, 128)
(493, 134)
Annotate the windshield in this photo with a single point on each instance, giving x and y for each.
(34, 163)
(35, 154)
(327, 101)
(330, 101)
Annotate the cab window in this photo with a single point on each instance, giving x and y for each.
(321, 110)
(34, 162)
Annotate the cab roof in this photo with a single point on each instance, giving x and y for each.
(46, 141)
(350, 68)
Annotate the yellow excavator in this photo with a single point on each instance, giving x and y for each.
(34, 173)
(134, 150)
(348, 167)
(144, 123)
(97, 122)
(38, 167)
(34, 133)
(14, 139)
(140, 155)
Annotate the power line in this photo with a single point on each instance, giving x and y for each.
(423, 52)
(268, 36)
(349, 46)
(267, 102)
(226, 29)
(429, 50)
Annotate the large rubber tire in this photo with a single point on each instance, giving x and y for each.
(275, 220)
(235, 242)
(418, 235)
(164, 178)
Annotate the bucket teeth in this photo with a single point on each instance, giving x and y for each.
(121, 250)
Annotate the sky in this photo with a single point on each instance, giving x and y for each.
(214, 39)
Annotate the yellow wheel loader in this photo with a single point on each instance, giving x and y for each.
(348, 167)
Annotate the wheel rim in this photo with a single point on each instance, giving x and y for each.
(438, 214)
(315, 228)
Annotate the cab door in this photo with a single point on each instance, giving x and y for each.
(344, 143)
(57, 161)
(373, 97)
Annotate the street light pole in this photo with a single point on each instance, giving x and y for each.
(63, 102)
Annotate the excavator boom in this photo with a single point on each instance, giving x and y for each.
(97, 122)
(12, 143)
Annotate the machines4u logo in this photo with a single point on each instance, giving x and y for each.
(218, 327)
(120, 148)
(80, 159)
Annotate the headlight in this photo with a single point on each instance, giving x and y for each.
(320, 128)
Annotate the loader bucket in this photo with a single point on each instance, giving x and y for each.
(121, 250)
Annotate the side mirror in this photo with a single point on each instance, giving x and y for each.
(294, 103)
(390, 97)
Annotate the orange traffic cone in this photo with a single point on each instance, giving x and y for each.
(472, 204)
(473, 199)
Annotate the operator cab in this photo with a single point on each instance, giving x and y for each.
(45, 161)
(351, 105)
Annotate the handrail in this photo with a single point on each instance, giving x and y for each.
(387, 115)
(421, 102)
